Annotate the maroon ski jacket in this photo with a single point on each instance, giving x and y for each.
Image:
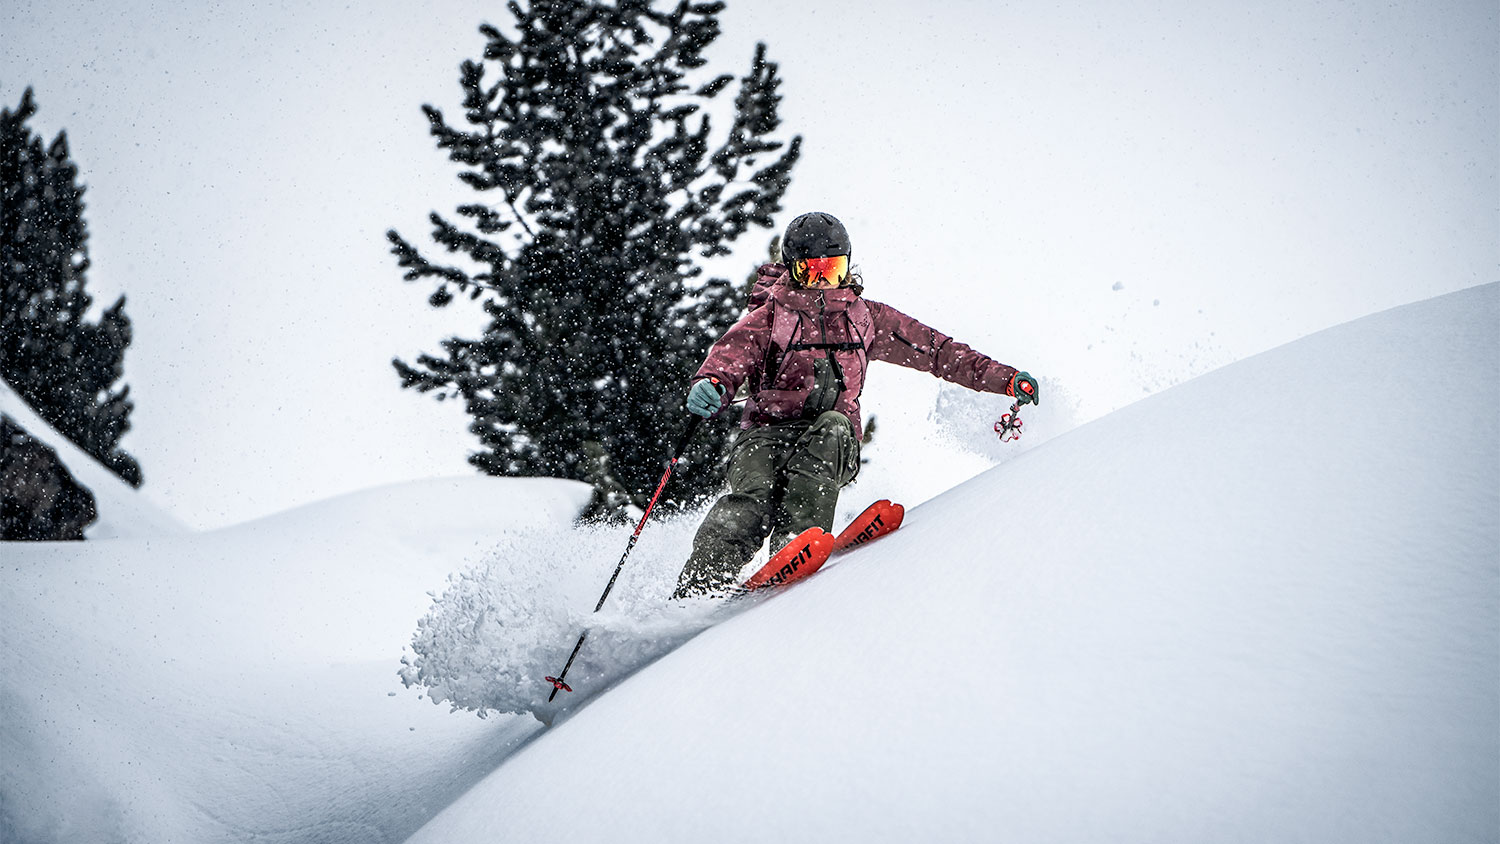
(772, 348)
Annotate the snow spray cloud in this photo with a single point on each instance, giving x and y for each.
(501, 626)
(967, 419)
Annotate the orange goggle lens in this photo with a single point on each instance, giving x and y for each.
(821, 272)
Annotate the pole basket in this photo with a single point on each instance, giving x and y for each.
(558, 684)
(1009, 426)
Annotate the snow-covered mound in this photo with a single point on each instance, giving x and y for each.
(240, 684)
(123, 511)
(1260, 606)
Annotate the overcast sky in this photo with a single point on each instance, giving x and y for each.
(1114, 196)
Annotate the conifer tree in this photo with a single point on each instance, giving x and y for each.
(601, 184)
(63, 364)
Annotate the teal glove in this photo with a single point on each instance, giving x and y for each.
(705, 397)
(1024, 388)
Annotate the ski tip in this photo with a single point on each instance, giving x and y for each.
(879, 519)
(896, 511)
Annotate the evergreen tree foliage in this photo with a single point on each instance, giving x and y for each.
(600, 183)
(63, 364)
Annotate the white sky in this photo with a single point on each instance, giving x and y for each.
(1115, 198)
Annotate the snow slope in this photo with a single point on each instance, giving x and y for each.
(1259, 606)
(240, 684)
(123, 512)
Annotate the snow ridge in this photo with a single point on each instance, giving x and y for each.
(1258, 606)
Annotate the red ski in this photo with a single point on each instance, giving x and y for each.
(796, 560)
(878, 519)
(812, 548)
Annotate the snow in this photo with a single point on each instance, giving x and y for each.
(1261, 605)
(241, 684)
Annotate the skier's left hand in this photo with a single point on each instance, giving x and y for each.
(706, 397)
(1024, 388)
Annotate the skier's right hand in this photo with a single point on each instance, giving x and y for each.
(705, 397)
(1024, 388)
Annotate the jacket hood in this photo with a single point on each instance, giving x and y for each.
(775, 281)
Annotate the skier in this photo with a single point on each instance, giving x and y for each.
(800, 351)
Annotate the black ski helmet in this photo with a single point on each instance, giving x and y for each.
(814, 235)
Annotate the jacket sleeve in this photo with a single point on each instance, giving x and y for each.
(901, 340)
(740, 351)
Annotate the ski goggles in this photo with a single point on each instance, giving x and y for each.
(821, 272)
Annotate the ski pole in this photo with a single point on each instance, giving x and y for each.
(687, 435)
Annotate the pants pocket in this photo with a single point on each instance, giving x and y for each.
(831, 442)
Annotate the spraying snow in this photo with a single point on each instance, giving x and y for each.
(501, 626)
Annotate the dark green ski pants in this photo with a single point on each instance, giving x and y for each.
(783, 479)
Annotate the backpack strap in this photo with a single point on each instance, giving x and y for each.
(851, 346)
(784, 332)
(858, 315)
(766, 372)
